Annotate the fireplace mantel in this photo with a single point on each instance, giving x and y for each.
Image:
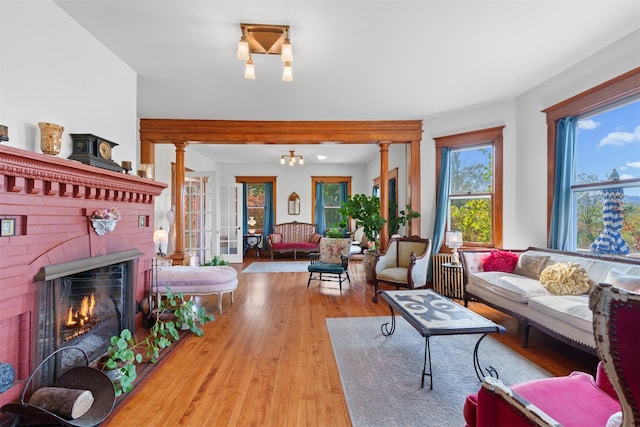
(37, 173)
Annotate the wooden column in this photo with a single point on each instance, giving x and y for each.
(413, 181)
(384, 191)
(178, 256)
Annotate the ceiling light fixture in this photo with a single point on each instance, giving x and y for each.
(249, 70)
(292, 159)
(265, 40)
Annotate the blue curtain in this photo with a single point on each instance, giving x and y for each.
(561, 233)
(268, 213)
(344, 195)
(393, 203)
(442, 206)
(245, 211)
(320, 219)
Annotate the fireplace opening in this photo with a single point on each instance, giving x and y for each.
(83, 304)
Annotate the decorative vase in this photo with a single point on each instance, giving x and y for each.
(367, 263)
(102, 226)
(50, 138)
(251, 222)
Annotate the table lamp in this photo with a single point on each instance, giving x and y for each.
(160, 237)
(454, 241)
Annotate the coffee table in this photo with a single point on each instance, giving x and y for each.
(432, 314)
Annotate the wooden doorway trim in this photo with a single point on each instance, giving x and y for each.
(188, 131)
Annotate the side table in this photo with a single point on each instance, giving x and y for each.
(452, 286)
(252, 241)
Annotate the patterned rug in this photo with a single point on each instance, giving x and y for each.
(277, 267)
(381, 375)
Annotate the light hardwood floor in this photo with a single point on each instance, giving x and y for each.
(267, 359)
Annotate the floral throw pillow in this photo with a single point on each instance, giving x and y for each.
(504, 261)
(565, 278)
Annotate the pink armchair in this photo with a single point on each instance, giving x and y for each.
(577, 399)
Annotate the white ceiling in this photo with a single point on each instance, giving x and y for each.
(353, 60)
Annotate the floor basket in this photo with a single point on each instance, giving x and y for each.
(83, 378)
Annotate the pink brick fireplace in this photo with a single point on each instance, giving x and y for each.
(50, 200)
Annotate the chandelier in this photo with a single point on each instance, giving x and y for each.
(292, 159)
(265, 40)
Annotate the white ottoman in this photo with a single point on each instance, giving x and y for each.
(217, 280)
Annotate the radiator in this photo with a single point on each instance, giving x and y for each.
(447, 281)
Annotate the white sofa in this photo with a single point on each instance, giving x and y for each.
(566, 317)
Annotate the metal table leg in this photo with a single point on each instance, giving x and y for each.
(482, 372)
(386, 331)
(427, 355)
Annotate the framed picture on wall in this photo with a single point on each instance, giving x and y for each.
(7, 227)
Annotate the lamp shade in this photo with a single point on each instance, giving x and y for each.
(287, 72)
(160, 236)
(454, 239)
(249, 70)
(243, 49)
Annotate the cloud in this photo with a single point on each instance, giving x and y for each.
(627, 176)
(633, 164)
(619, 139)
(588, 124)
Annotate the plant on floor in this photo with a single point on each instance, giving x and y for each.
(126, 350)
(365, 211)
(215, 261)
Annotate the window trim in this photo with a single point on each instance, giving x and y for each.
(615, 90)
(330, 180)
(493, 136)
(262, 180)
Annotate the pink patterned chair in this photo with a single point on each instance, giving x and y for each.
(293, 237)
(611, 399)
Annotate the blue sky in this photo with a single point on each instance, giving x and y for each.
(611, 140)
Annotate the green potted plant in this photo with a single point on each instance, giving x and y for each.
(401, 219)
(215, 261)
(365, 211)
(126, 350)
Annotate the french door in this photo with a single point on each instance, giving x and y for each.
(230, 222)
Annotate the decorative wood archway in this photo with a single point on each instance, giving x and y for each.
(182, 132)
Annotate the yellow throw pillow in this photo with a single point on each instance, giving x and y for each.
(565, 278)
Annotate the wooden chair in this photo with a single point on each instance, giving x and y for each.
(403, 264)
(332, 262)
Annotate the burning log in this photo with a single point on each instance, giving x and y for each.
(66, 402)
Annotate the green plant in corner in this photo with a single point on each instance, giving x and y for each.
(126, 350)
(401, 219)
(365, 211)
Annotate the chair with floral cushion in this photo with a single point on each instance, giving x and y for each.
(331, 263)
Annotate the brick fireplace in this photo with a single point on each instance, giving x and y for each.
(47, 202)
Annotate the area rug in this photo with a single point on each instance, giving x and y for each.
(381, 375)
(277, 267)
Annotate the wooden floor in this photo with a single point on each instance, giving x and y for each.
(267, 359)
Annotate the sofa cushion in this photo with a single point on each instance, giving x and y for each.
(315, 238)
(275, 238)
(624, 281)
(565, 278)
(571, 309)
(500, 261)
(509, 285)
(530, 265)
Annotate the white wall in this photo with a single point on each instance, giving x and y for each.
(525, 141)
(53, 70)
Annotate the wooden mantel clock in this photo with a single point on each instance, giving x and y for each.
(93, 150)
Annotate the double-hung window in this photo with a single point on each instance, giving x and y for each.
(594, 148)
(475, 190)
(335, 190)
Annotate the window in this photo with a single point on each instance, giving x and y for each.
(603, 191)
(255, 204)
(475, 191)
(333, 194)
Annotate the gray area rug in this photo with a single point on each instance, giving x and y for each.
(277, 267)
(381, 375)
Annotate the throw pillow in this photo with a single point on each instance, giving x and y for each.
(530, 265)
(565, 278)
(500, 261)
(275, 238)
(315, 238)
(624, 281)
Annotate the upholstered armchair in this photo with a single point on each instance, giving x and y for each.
(611, 399)
(403, 264)
(331, 262)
